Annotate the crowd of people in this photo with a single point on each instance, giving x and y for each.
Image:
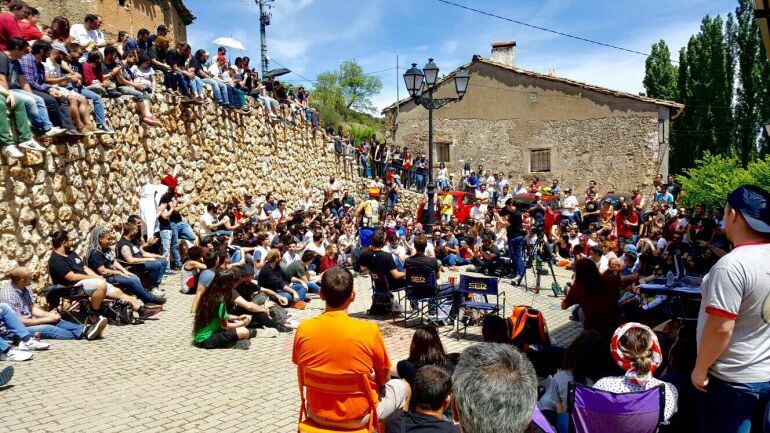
(54, 78)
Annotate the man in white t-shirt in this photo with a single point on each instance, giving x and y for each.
(88, 35)
(569, 205)
(210, 224)
(277, 215)
(334, 187)
(733, 334)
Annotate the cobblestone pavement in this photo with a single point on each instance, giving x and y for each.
(150, 378)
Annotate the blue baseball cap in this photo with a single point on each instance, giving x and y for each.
(752, 203)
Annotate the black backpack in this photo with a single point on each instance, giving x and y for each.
(120, 313)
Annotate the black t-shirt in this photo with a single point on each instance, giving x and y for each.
(591, 206)
(174, 58)
(175, 216)
(412, 422)
(99, 258)
(197, 65)
(11, 69)
(125, 243)
(380, 262)
(514, 228)
(538, 213)
(674, 189)
(272, 278)
(420, 264)
(76, 66)
(59, 266)
(702, 227)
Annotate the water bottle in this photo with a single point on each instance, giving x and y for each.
(670, 279)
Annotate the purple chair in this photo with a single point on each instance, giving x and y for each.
(595, 411)
(540, 423)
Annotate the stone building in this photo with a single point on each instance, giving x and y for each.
(128, 15)
(528, 124)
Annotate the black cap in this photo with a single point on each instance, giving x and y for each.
(752, 203)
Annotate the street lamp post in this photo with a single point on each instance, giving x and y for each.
(417, 81)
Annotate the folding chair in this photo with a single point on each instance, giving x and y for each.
(478, 287)
(77, 302)
(380, 286)
(594, 411)
(540, 423)
(422, 295)
(348, 385)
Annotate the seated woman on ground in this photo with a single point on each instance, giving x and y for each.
(213, 327)
(636, 350)
(426, 349)
(191, 269)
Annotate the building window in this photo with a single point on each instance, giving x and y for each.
(540, 160)
(442, 152)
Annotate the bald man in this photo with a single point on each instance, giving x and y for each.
(17, 293)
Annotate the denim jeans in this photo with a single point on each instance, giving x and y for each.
(219, 88)
(516, 252)
(98, 105)
(313, 287)
(13, 326)
(301, 293)
(156, 269)
(165, 243)
(197, 85)
(182, 82)
(61, 330)
(180, 230)
(36, 111)
(733, 407)
(454, 260)
(131, 286)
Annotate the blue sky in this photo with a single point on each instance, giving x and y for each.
(312, 36)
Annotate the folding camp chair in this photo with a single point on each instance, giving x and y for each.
(479, 289)
(594, 411)
(341, 385)
(76, 306)
(422, 294)
(381, 287)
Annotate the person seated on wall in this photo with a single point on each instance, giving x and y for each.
(140, 261)
(101, 258)
(18, 291)
(120, 74)
(68, 269)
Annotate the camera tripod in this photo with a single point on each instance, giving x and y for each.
(536, 256)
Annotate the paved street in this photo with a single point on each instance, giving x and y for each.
(150, 378)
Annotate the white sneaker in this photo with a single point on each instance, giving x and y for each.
(293, 323)
(33, 145)
(53, 132)
(12, 151)
(16, 355)
(158, 293)
(33, 344)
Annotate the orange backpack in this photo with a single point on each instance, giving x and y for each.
(528, 327)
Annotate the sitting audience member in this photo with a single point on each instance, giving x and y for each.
(330, 259)
(431, 397)
(585, 361)
(597, 296)
(139, 261)
(11, 147)
(636, 350)
(487, 258)
(211, 262)
(80, 111)
(213, 327)
(494, 389)
(17, 294)
(271, 277)
(11, 329)
(380, 262)
(122, 76)
(67, 269)
(247, 299)
(101, 258)
(298, 272)
(426, 349)
(336, 343)
(56, 103)
(191, 269)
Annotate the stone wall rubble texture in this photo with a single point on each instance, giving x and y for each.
(218, 155)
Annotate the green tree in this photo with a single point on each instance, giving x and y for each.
(746, 44)
(347, 88)
(660, 75)
(711, 179)
(705, 86)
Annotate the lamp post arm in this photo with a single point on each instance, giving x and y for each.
(432, 104)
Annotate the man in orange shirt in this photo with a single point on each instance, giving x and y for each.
(336, 343)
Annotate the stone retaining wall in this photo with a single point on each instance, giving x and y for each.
(217, 154)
